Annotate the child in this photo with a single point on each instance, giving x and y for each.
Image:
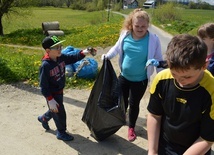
(181, 113)
(206, 32)
(52, 82)
(135, 46)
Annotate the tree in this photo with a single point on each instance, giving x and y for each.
(5, 7)
(68, 3)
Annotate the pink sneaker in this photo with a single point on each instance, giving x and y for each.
(131, 134)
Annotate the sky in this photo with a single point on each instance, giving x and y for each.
(211, 2)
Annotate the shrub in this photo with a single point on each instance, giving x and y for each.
(91, 7)
(78, 6)
(167, 13)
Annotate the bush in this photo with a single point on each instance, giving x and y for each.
(78, 6)
(167, 13)
(117, 7)
(91, 7)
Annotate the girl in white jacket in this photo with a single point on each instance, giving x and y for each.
(135, 46)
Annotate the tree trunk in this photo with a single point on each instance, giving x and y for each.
(1, 26)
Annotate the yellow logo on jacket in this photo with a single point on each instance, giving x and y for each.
(181, 100)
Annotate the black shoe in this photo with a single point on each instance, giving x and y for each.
(44, 122)
(64, 136)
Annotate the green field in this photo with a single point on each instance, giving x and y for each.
(88, 28)
(68, 19)
(199, 16)
(81, 29)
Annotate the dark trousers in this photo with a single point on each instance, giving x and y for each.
(60, 117)
(132, 94)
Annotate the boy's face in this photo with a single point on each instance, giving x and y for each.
(55, 51)
(188, 78)
(210, 44)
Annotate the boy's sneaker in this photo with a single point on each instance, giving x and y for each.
(64, 136)
(131, 134)
(42, 120)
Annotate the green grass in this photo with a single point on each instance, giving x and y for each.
(199, 16)
(81, 29)
(190, 20)
(18, 64)
(67, 18)
(22, 65)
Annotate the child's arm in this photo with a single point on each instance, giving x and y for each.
(162, 64)
(200, 146)
(153, 130)
(156, 63)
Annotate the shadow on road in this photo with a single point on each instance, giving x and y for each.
(113, 145)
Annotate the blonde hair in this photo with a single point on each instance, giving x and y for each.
(206, 30)
(137, 13)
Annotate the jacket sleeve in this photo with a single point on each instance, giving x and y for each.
(154, 53)
(72, 58)
(158, 54)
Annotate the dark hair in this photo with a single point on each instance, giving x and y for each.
(206, 31)
(185, 51)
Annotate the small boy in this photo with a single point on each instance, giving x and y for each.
(52, 82)
(181, 106)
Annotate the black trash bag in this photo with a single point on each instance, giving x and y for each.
(105, 110)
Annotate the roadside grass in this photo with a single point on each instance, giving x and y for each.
(190, 20)
(22, 65)
(81, 29)
(17, 64)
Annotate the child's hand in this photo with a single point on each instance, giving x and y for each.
(90, 50)
(152, 62)
(103, 57)
(53, 105)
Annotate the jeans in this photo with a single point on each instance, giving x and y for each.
(60, 117)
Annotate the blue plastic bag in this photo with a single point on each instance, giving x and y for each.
(89, 70)
(85, 68)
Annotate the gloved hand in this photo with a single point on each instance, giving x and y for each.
(53, 105)
(90, 50)
(152, 62)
